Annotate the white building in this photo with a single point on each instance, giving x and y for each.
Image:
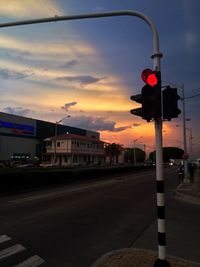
(71, 149)
(22, 138)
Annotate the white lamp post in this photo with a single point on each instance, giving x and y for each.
(55, 137)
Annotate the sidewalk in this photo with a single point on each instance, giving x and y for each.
(137, 258)
(131, 257)
(190, 192)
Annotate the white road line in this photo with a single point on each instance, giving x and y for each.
(11, 250)
(52, 194)
(31, 262)
(4, 238)
(76, 189)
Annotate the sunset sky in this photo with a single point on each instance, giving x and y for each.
(88, 69)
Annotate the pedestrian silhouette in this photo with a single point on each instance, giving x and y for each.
(180, 173)
(191, 171)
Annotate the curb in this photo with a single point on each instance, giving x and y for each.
(184, 197)
(105, 257)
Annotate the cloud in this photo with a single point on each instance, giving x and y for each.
(12, 74)
(120, 129)
(136, 124)
(68, 105)
(17, 111)
(16, 8)
(82, 79)
(46, 47)
(69, 64)
(94, 124)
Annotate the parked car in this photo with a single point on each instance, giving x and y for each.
(198, 163)
(2, 165)
(29, 165)
(48, 165)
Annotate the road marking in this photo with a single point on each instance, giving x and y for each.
(31, 262)
(4, 238)
(78, 189)
(11, 250)
(52, 194)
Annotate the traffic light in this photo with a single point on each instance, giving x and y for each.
(137, 111)
(150, 97)
(170, 103)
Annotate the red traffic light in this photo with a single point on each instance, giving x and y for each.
(149, 77)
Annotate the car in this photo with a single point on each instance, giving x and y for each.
(197, 163)
(2, 165)
(48, 165)
(29, 165)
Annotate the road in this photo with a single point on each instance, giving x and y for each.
(72, 226)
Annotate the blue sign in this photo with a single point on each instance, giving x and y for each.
(18, 128)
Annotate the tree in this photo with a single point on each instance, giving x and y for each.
(129, 155)
(113, 151)
(168, 153)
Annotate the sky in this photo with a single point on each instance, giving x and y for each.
(88, 69)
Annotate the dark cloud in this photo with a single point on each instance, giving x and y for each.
(82, 79)
(136, 124)
(25, 54)
(94, 124)
(68, 105)
(17, 111)
(69, 64)
(120, 129)
(11, 74)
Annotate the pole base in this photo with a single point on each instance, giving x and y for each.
(161, 263)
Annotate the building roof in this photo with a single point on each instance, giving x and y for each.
(75, 137)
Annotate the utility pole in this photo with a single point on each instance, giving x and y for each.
(144, 152)
(185, 180)
(191, 144)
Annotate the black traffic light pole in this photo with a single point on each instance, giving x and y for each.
(161, 261)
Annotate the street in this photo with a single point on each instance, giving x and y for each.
(74, 225)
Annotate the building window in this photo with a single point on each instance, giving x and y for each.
(58, 144)
(49, 143)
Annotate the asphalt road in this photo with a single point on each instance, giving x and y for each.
(72, 226)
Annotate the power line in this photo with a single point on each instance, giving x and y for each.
(173, 84)
(192, 96)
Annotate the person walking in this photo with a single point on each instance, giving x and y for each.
(181, 173)
(191, 171)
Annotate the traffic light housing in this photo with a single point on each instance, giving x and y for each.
(150, 96)
(170, 103)
(137, 111)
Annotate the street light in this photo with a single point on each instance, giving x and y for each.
(134, 148)
(55, 137)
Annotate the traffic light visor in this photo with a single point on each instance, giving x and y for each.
(149, 77)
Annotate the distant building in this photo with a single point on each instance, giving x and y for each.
(22, 138)
(71, 149)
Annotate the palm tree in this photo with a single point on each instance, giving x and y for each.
(113, 150)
